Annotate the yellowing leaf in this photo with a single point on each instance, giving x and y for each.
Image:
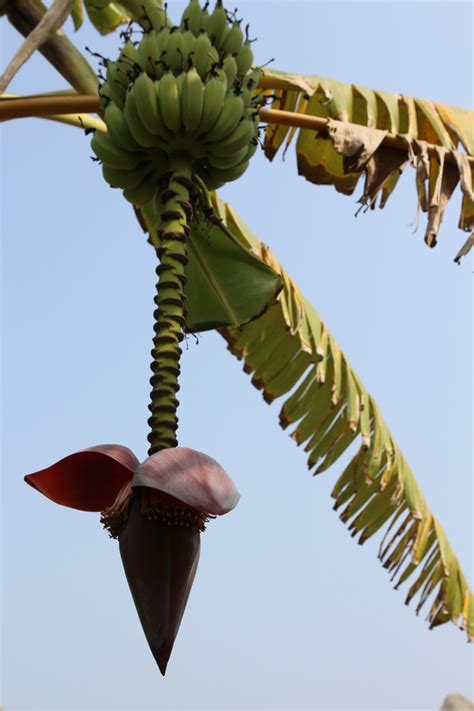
(420, 122)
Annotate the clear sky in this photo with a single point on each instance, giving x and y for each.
(286, 612)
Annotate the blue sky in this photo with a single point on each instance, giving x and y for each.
(286, 612)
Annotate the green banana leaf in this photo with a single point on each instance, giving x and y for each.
(288, 349)
(105, 17)
(227, 282)
(348, 107)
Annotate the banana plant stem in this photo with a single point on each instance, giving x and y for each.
(22, 107)
(176, 202)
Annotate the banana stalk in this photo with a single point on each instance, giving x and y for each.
(170, 315)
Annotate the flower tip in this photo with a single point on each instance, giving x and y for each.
(162, 664)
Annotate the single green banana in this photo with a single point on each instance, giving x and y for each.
(129, 59)
(162, 40)
(244, 59)
(252, 78)
(169, 101)
(215, 178)
(118, 178)
(189, 42)
(149, 53)
(212, 102)
(210, 181)
(180, 82)
(228, 161)
(173, 57)
(238, 139)
(118, 129)
(143, 192)
(227, 175)
(146, 100)
(228, 120)
(217, 24)
(229, 65)
(191, 100)
(114, 86)
(109, 152)
(204, 18)
(205, 55)
(191, 18)
(134, 121)
(252, 147)
(251, 113)
(155, 14)
(234, 39)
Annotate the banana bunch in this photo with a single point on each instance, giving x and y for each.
(186, 90)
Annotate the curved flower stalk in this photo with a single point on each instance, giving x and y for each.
(157, 510)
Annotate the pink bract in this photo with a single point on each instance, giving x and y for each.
(88, 480)
(191, 477)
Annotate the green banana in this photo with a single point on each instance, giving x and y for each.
(118, 178)
(228, 161)
(162, 40)
(146, 101)
(155, 14)
(191, 100)
(251, 149)
(111, 154)
(191, 18)
(238, 139)
(244, 58)
(233, 41)
(132, 116)
(252, 78)
(212, 101)
(169, 101)
(189, 42)
(114, 87)
(210, 181)
(143, 192)
(215, 178)
(217, 25)
(204, 18)
(229, 65)
(150, 54)
(174, 51)
(129, 58)
(118, 129)
(180, 82)
(228, 119)
(205, 55)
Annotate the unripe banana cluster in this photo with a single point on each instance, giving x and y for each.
(186, 91)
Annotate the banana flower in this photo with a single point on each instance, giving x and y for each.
(157, 510)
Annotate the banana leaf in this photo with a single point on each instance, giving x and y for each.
(353, 112)
(227, 282)
(105, 16)
(289, 352)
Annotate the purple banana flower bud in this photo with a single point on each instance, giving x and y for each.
(157, 510)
